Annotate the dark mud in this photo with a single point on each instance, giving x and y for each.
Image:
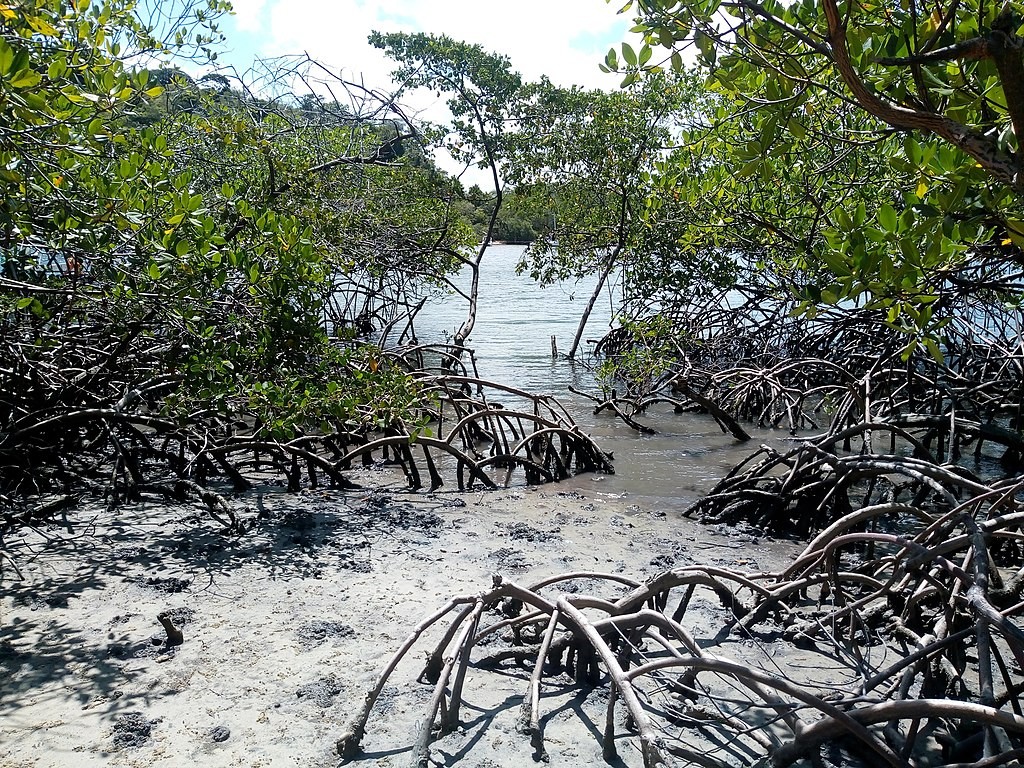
(315, 633)
(524, 532)
(509, 559)
(322, 691)
(287, 625)
(132, 730)
(169, 584)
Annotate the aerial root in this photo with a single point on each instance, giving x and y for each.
(890, 617)
(90, 413)
(751, 353)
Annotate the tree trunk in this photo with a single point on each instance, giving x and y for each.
(474, 288)
(609, 265)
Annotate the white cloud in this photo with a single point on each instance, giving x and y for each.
(249, 14)
(563, 39)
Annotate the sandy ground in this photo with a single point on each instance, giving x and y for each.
(286, 627)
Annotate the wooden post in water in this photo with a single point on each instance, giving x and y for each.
(554, 347)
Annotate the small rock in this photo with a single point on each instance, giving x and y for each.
(220, 734)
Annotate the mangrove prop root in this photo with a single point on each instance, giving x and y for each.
(750, 352)
(529, 719)
(885, 611)
(98, 409)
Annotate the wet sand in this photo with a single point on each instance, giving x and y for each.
(287, 626)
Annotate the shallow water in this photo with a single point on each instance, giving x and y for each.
(511, 339)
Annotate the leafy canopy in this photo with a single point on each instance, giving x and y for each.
(224, 224)
(937, 90)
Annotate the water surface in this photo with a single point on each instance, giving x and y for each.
(516, 319)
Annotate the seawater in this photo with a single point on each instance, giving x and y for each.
(512, 343)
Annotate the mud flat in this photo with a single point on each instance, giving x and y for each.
(286, 627)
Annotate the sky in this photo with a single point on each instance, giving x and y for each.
(563, 39)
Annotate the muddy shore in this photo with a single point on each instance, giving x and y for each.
(285, 628)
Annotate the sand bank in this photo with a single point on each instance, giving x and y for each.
(286, 626)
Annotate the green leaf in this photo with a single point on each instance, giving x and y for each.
(629, 55)
(706, 46)
(26, 78)
(887, 217)
(933, 349)
(35, 101)
(42, 26)
(749, 169)
(836, 263)
(56, 69)
(6, 57)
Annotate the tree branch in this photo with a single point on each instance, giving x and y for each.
(1001, 165)
(974, 49)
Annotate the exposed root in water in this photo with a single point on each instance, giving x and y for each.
(88, 412)
(481, 434)
(746, 355)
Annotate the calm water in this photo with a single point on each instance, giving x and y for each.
(511, 339)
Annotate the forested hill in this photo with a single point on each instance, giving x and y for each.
(522, 218)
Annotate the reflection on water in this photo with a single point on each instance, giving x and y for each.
(515, 322)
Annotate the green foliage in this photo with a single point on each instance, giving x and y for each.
(192, 212)
(591, 158)
(336, 390)
(482, 92)
(645, 360)
(923, 107)
(521, 219)
(62, 77)
(481, 87)
(295, 204)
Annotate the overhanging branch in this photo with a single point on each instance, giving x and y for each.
(1001, 165)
